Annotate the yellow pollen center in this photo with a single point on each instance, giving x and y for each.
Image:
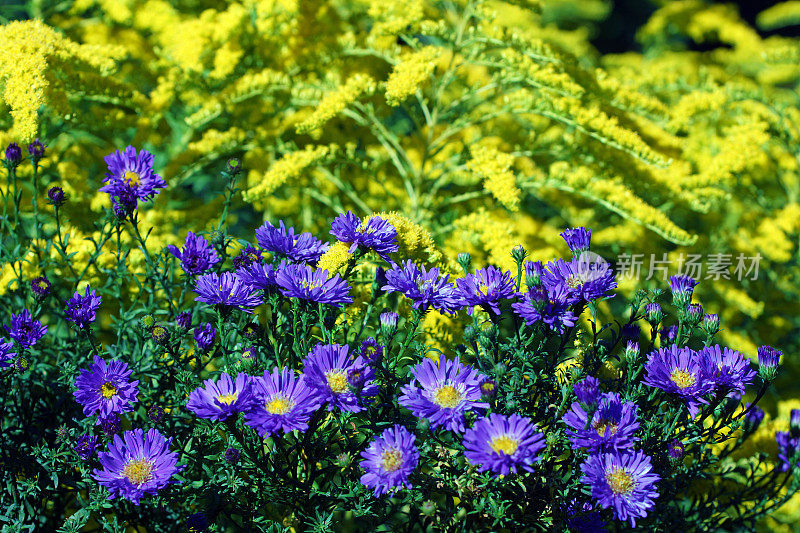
(132, 178)
(307, 285)
(279, 406)
(42, 285)
(138, 471)
(505, 444)
(227, 399)
(605, 427)
(620, 481)
(681, 378)
(391, 460)
(574, 282)
(337, 380)
(447, 396)
(108, 389)
(483, 289)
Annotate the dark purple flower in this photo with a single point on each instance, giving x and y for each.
(371, 351)
(389, 461)
(679, 371)
(768, 356)
(156, 413)
(303, 248)
(13, 155)
(612, 425)
(184, 320)
(577, 239)
(283, 402)
(85, 447)
(106, 389)
(486, 288)
(205, 335)
(197, 255)
(547, 305)
(623, 481)
(443, 392)
(40, 286)
(223, 398)
(668, 334)
(752, 418)
(24, 329)
(36, 149)
(129, 174)
(82, 308)
(424, 287)
(325, 369)
(586, 278)
(6, 354)
(587, 390)
(675, 449)
(376, 234)
(246, 257)
(56, 196)
(258, 275)
(232, 455)
(137, 465)
(227, 291)
(123, 200)
(788, 450)
(502, 444)
(110, 424)
(682, 288)
(302, 281)
(727, 368)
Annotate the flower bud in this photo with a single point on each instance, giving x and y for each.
(676, 450)
(710, 323)
(56, 196)
(388, 322)
(148, 322)
(36, 150)
(587, 390)
(234, 166)
(40, 287)
(654, 313)
(753, 418)
(184, 320)
(13, 155)
(160, 334)
(768, 360)
(465, 260)
(794, 423)
(533, 273)
(682, 288)
(577, 239)
(694, 313)
(518, 253)
(632, 352)
(428, 508)
(232, 455)
(156, 413)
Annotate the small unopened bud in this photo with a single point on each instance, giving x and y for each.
(465, 260)
(694, 313)
(148, 322)
(653, 313)
(518, 253)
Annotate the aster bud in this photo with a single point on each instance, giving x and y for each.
(500, 370)
(356, 379)
(344, 460)
(234, 166)
(682, 288)
(710, 323)
(388, 322)
(488, 389)
(632, 353)
(56, 196)
(587, 390)
(232, 455)
(36, 150)
(577, 239)
(21, 364)
(794, 423)
(654, 313)
(518, 253)
(160, 334)
(379, 281)
(428, 508)
(148, 321)
(40, 287)
(465, 260)
(533, 273)
(675, 450)
(423, 425)
(768, 360)
(184, 320)
(13, 156)
(216, 237)
(753, 418)
(110, 424)
(694, 313)
(156, 413)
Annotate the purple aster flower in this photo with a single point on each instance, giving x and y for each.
(586, 278)
(768, 356)
(389, 461)
(623, 481)
(137, 464)
(582, 517)
(675, 449)
(110, 424)
(442, 392)
(587, 390)
(13, 155)
(668, 334)
(223, 398)
(24, 329)
(612, 426)
(85, 447)
(302, 281)
(303, 248)
(283, 402)
(534, 270)
(486, 287)
(197, 255)
(653, 312)
(727, 368)
(156, 413)
(548, 305)
(577, 239)
(40, 286)
(246, 257)
(376, 234)
(205, 335)
(184, 320)
(232, 455)
(82, 309)
(501, 444)
(257, 275)
(388, 322)
(56, 196)
(132, 172)
(788, 449)
(326, 368)
(682, 288)
(226, 291)
(36, 149)
(371, 351)
(488, 388)
(678, 371)
(106, 389)
(6, 354)
(424, 287)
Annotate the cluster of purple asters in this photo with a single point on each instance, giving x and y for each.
(197, 256)
(82, 308)
(375, 234)
(425, 288)
(130, 179)
(283, 242)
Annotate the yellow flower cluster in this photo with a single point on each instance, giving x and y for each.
(336, 101)
(410, 73)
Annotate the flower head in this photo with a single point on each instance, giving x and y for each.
(303, 248)
(548, 305)
(36, 149)
(768, 359)
(258, 275)
(624, 481)
(110, 424)
(197, 255)
(105, 388)
(577, 239)
(502, 444)
(184, 320)
(137, 465)
(326, 368)
(13, 155)
(443, 392)
(486, 287)
(283, 402)
(376, 234)
(424, 287)
(56, 196)
(727, 368)
(587, 390)
(132, 173)
(653, 312)
(388, 322)
(204, 335)
(302, 281)
(232, 455)
(612, 426)
(682, 288)
(389, 461)
(223, 398)
(227, 291)
(675, 449)
(40, 286)
(585, 278)
(247, 256)
(82, 309)
(24, 329)
(371, 351)
(678, 371)
(534, 270)
(85, 447)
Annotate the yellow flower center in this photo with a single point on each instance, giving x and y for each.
(138, 471)
(483, 289)
(391, 460)
(447, 396)
(681, 378)
(227, 399)
(132, 178)
(337, 380)
(620, 481)
(108, 389)
(605, 427)
(279, 405)
(505, 444)
(42, 285)
(574, 282)
(311, 285)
